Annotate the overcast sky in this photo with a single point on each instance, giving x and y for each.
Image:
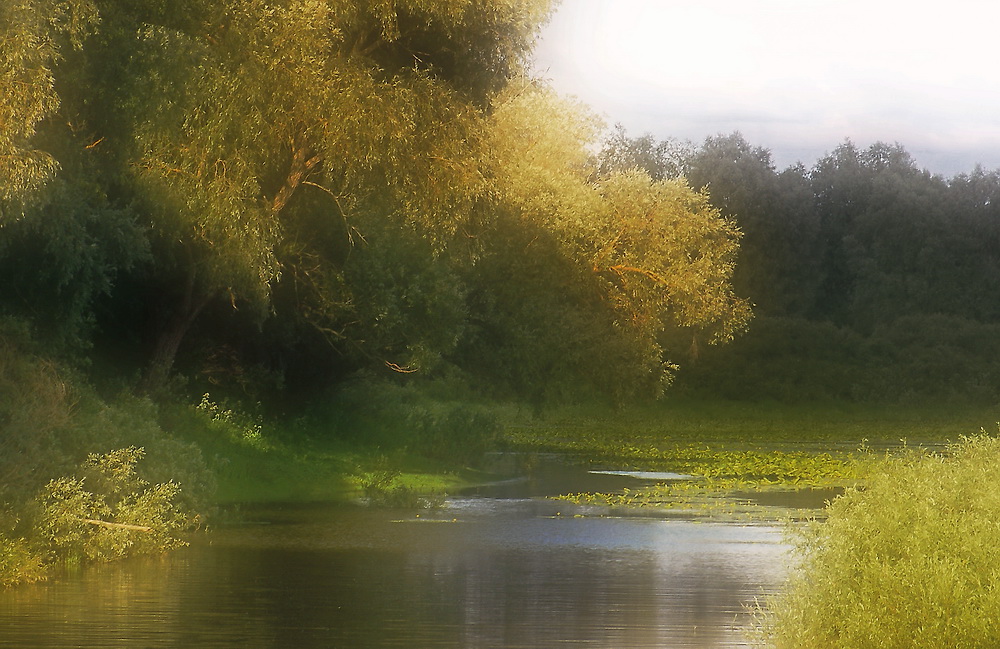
(795, 76)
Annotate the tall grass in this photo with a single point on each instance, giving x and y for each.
(911, 560)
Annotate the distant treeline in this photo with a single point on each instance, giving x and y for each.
(870, 278)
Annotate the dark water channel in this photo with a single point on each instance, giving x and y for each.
(501, 568)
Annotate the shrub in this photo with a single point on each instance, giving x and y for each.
(36, 413)
(19, 562)
(785, 359)
(911, 560)
(109, 512)
(938, 355)
(51, 418)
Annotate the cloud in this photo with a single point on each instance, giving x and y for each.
(789, 74)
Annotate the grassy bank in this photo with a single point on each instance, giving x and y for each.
(755, 424)
(394, 449)
(729, 446)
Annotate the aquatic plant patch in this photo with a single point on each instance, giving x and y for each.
(735, 462)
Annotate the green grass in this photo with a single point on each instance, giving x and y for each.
(733, 446)
(257, 461)
(767, 424)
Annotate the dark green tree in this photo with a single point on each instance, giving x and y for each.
(219, 117)
(777, 265)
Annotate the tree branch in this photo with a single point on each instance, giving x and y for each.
(119, 526)
(303, 161)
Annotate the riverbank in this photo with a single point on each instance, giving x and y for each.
(746, 460)
(730, 448)
(743, 458)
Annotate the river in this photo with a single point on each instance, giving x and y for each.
(503, 567)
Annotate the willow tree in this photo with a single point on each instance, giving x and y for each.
(219, 115)
(33, 33)
(658, 256)
(62, 242)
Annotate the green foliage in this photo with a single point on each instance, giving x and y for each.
(63, 259)
(348, 130)
(36, 417)
(131, 421)
(253, 459)
(233, 426)
(537, 331)
(913, 358)
(110, 512)
(50, 419)
(643, 255)
(659, 159)
(858, 268)
(921, 356)
(336, 172)
(911, 560)
(718, 462)
(785, 359)
(778, 265)
(33, 33)
(409, 307)
(20, 562)
(383, 486)
(402, 419)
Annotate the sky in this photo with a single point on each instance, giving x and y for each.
(795, 76)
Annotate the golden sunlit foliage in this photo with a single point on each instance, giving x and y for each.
(32, 33)
(659, 253)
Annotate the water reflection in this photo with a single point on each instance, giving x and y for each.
(479, 573)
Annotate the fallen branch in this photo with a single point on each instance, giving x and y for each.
(120, 526)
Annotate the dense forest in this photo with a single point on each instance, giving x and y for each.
(871, 278)
(299, 204)
(274, 197)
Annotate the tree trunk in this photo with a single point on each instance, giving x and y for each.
(170, 336)
(194, 300)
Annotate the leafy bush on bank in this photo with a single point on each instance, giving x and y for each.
(70, 479)
(51, 419)
(109, 512)
(910, 560)
(104, 511)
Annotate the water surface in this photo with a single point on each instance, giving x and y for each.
(480, 572)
